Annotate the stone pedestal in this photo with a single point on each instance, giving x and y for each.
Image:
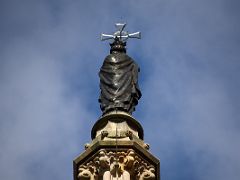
(116, 152)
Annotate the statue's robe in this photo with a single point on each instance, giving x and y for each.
(119, 83)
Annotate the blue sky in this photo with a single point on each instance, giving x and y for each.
(50, 55)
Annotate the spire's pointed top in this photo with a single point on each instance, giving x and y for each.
(120, 34)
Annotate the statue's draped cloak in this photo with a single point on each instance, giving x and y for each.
(119, 83)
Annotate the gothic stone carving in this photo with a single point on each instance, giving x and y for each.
(147, 174)
(121, 165)
(86, 173)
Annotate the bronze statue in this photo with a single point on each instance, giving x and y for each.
(119, 75)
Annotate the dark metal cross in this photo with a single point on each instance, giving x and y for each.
(121, 34)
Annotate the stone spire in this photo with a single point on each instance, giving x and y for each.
(117, 150)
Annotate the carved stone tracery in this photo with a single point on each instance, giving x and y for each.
(121, 165)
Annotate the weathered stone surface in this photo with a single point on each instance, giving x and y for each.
(116, 160)
(117, 151)
(117, 124)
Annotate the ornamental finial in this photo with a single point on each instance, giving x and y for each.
(120, 34)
